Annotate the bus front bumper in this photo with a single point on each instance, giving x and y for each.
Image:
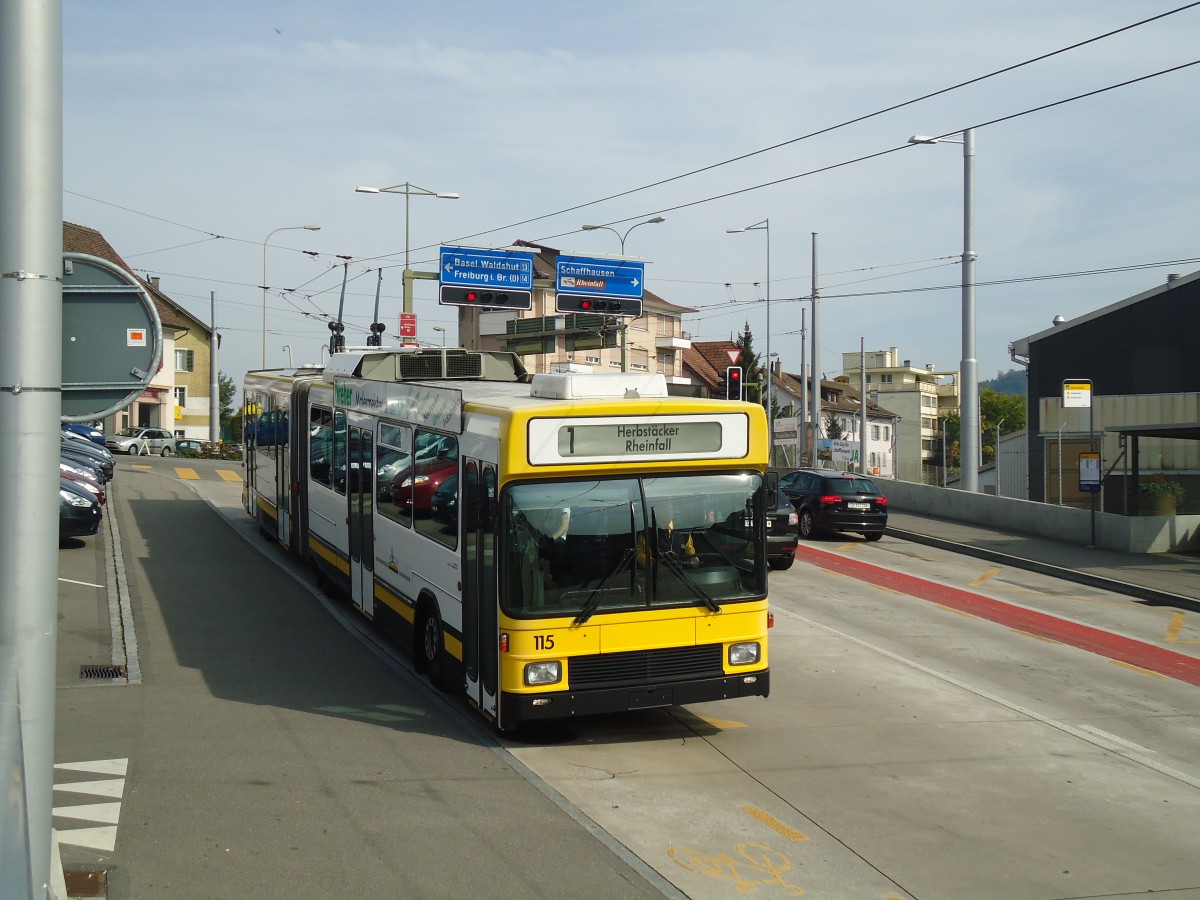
(518, 708)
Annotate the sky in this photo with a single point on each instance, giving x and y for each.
(193, 131)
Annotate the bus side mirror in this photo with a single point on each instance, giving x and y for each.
(773, 489)
(479, 508)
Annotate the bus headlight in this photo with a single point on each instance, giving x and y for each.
(543, 673)
(744, 654)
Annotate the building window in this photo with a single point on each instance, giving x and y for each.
(594, 360)
(185, 360)
(874, 434)
(885, 378)
(886, 433)
(181, 397)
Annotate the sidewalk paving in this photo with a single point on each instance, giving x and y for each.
(1163, 578)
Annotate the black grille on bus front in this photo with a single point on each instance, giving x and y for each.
(639, 667)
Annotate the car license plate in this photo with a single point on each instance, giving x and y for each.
(859, 505)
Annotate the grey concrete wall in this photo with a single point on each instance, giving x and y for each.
(1129, 534)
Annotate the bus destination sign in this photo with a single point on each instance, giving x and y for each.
(628, 439)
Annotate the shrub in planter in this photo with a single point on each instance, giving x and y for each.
(1163, 493)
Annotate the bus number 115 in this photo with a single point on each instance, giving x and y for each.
(543, 642)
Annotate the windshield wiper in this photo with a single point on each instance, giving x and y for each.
(597, 594)
(593, 601)
(680, 572)
(669, 557)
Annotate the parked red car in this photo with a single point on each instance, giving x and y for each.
(412, 490)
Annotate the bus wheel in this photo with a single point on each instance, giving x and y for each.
(429, 656)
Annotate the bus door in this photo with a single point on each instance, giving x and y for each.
(283, 478)
(480, 619)
(360, 495)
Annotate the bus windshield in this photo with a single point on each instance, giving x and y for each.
(581, 547)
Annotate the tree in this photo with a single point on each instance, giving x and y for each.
(995, 407)
(833, 428)
(226, 390)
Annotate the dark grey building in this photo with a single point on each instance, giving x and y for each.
(1148, 344)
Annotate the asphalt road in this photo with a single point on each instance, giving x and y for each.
(939, 727)
(268, 753)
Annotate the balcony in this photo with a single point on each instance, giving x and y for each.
(669, 342)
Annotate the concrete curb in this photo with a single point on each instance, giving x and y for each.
(1150, 595)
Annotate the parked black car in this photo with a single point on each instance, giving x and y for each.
(78, 511)
(783, 535)
(827, 500)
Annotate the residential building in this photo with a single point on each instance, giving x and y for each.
(705, 362)
(177, 397)
(841, 408)
(549, 341)
(921, 398)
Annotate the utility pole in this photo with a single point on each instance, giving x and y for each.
(862, 406)
(816, 357)
(214, 380)
(31, 270)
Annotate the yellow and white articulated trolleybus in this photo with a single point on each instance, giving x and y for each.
(551, 545)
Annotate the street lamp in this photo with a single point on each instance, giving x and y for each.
(765, 225)
(996, 458)
(442, 331)
(942, 420)
(408, 190)
(264, 281)
(621, 237)
(969, 389)
(291, 363)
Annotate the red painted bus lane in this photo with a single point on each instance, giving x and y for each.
(1112, 646)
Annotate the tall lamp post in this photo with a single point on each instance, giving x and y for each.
(996, 458)
(968, 368)
(765, 226)
(409, 190)
(442, 332)
(264, 281)
(621, 237)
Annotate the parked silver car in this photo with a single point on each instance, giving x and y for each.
(142, 442)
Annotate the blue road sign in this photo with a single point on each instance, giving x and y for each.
(605, 278)
(470, 267)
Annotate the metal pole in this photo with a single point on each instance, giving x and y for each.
(862, 410)
(31, 267)
(1092, 449)
(407, 275)
(816, 357)
(375, 338)
(214, 378)
(264, 279)
(1060, 429)
(770, 417)
(997, 458)
(969, 436)
(945, 462)
(803, 374)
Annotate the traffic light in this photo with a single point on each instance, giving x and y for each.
(627, 307)
(733, 383)
(488, 297)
